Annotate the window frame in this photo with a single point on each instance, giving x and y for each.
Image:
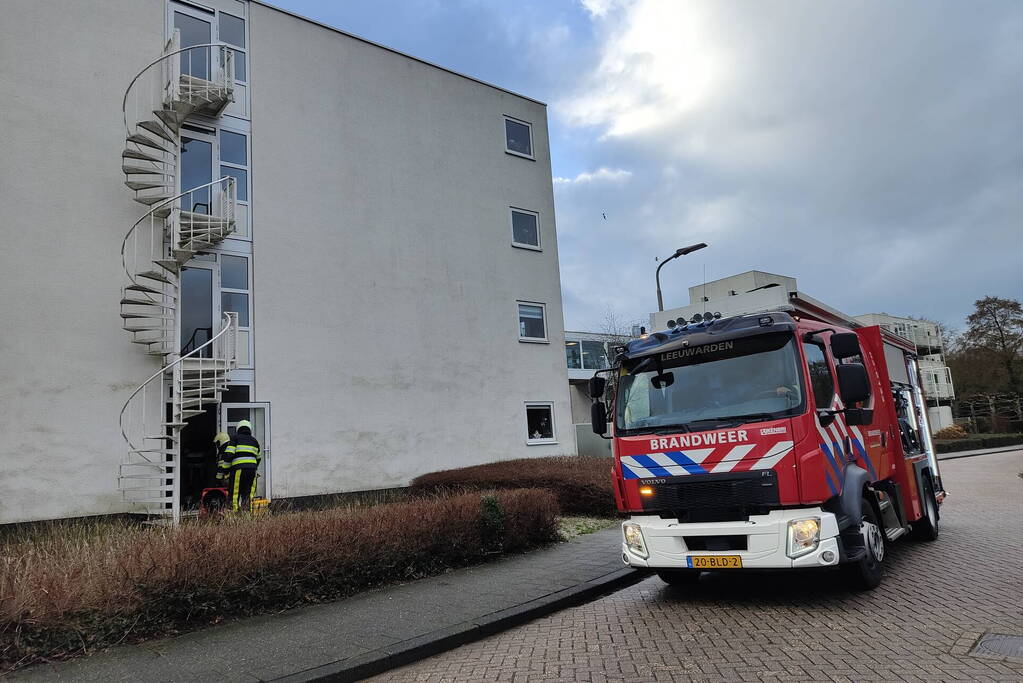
(518, 319)
(532, 145)
(512, 210)
(530, 441)
(248, 297)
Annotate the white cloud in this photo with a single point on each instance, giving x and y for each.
(599, 8)
(871, 150)
(602, 174)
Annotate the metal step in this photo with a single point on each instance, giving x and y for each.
(139, 185)
(147, 316)
(150, 328)
(145, 170)
(157, 128)
(144, 156)
(135, 287)
(145, 140)
(164, 437)
(154, 199)
(191, 413)
(203, 391)
(170, 265)
(171, 118)
(893, 534)
(128, 301)
(156, 275)
(174, 425)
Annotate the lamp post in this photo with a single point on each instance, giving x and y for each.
(680, 252)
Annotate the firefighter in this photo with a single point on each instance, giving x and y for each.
(244, 454)
(222, 441)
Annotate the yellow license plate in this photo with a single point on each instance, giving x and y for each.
(714, 562)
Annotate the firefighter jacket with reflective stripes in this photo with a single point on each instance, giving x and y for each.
(243, 451)
(223, 460)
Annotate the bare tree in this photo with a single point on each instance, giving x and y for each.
(996, 326)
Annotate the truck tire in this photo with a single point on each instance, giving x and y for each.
(926, 528)
(867, 572)
(679, 577)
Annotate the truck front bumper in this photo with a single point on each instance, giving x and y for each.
(765, 548)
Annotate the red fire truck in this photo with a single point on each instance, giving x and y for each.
(773, 440)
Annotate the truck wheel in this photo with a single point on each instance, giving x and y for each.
(679, 577)
(866, 573)
(926, 528)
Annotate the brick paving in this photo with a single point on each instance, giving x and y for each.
(937, 600)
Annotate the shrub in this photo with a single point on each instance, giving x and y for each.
(67, 594)
(951, 432)
(582, 484)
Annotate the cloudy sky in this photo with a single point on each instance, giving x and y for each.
(871, 149)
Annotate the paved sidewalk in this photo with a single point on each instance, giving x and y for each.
(979, 451)
(371, 632)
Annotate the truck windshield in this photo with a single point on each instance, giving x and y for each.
(703, 387)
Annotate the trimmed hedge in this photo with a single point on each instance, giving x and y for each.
(90, 587)
(976, 442)
(582, 484)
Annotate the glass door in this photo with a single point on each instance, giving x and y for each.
(196, 28)
(258, 413)
(199, 308)
(197, 153)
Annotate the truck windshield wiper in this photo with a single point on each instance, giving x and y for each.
(737, 419)
(673, 429)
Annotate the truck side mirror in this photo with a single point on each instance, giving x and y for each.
(853, 383)
(844, 345)
(598, 418)
(596, 388)
(857, 417)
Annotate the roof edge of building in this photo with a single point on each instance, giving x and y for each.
(268, 5)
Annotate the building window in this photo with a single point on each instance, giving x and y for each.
(586, 355)
(821, 383)
(532, 322)
(232, 32)
(573, 355)
(518, 137)
(234, 287)
(525, 228)
(540, 423)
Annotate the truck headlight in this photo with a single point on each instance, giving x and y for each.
(634, 539)
(804, 536)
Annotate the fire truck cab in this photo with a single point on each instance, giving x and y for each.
(768, 441)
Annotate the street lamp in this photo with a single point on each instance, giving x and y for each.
(681, 252)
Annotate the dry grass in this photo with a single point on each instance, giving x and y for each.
(581, 484)
(88, 586)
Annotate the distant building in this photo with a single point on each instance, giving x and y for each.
(585, 353)
(937, 378)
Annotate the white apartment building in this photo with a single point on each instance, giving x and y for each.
(757, 290)
(305, 229)
(937, 378)
(585, 353)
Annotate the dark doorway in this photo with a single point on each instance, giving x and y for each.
(198, 456)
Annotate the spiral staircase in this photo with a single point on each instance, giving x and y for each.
(177, 225)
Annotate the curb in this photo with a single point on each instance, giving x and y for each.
(412, 650)
(954, 456)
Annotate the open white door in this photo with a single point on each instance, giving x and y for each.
(259, 415)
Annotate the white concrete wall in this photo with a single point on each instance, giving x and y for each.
(66, 365)
(385, 286)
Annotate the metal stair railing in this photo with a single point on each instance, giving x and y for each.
(147, 405)
(157, 102)
(152, 264)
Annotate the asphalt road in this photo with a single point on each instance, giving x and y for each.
(936, 601)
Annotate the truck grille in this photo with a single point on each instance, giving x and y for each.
(713, 497)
